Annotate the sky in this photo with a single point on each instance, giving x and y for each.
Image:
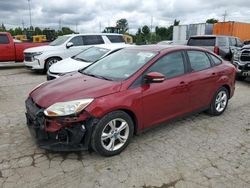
(94, 15)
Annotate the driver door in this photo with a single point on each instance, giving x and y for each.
(169, 99)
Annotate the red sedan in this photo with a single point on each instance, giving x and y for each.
(103, 105)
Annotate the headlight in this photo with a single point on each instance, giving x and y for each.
(67, 108)
(236, 56)
(37, 53)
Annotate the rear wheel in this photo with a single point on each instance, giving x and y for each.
(112, 134)
(50, 62)
(219, 103)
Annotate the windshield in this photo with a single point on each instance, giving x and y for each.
(60, 40)
(91, 54)
(120, 65)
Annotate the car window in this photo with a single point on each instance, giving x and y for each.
(120, 65)
(115, 38)
(77, 41)
(60, 40)
(215, 59)
(92, 54)
(232, 41)
(92, 39)
(201, 41)
(198, 60)
(171, 65)
(222, 41)
(4, 39)
(239, 43)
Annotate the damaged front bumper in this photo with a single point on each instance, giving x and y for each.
(59, 134)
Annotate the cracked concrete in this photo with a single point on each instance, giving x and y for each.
(198, 151)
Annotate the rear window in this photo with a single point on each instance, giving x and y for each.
(202, 41)
(4, 39)
(216, 60)
(115, 38)
(92, 39)
(222, 41)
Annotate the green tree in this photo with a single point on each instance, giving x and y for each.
(38, 31)
(18, 31)
(212, 21)
(122, 24)
(12, 32)
(67, 30)
(145, 30)
(2, 28)
(176, 22)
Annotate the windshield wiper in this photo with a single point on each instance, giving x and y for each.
(80, 59)
(96, 76)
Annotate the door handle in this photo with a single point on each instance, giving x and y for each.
(213, 73)
(182, 82)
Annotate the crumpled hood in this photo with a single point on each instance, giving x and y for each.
(42, 49)
(67, 65)
(73, 86)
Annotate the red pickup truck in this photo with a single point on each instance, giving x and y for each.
(11, 50)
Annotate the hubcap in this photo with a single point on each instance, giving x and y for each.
(52, 61)
(115, 134)
(221, 101)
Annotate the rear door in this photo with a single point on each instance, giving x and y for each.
(7, 50)
(202, 79)
(166, 100)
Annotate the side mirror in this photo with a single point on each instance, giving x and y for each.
(154, 77)
(69, 44)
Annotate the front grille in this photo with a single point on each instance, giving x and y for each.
(33, 110)
(28, 57)
(245, 56)
(247, 67)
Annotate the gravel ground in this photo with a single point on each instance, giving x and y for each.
(198, 151)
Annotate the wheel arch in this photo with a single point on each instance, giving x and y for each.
(46, 60)
(228, 88)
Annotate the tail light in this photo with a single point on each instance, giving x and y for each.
(216, 50)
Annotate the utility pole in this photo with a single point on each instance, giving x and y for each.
(76, 26)
(60, 24)
(151, 25)
(30, 13)
(23, 24)
(224, 16)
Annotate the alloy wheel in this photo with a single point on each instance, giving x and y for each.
(115, 134)
(221, 101)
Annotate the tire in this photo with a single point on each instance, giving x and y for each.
(240, 78)
(50, 62)
(219, 102)
(106, 139)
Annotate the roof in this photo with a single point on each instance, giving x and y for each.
(200, 36)
(159, 48)
(84, 34)
(113, 46)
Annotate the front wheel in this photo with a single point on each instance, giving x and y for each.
(112, 133)
(219, 103)
(50, 62)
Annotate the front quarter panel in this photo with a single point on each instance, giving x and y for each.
(127, 100)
